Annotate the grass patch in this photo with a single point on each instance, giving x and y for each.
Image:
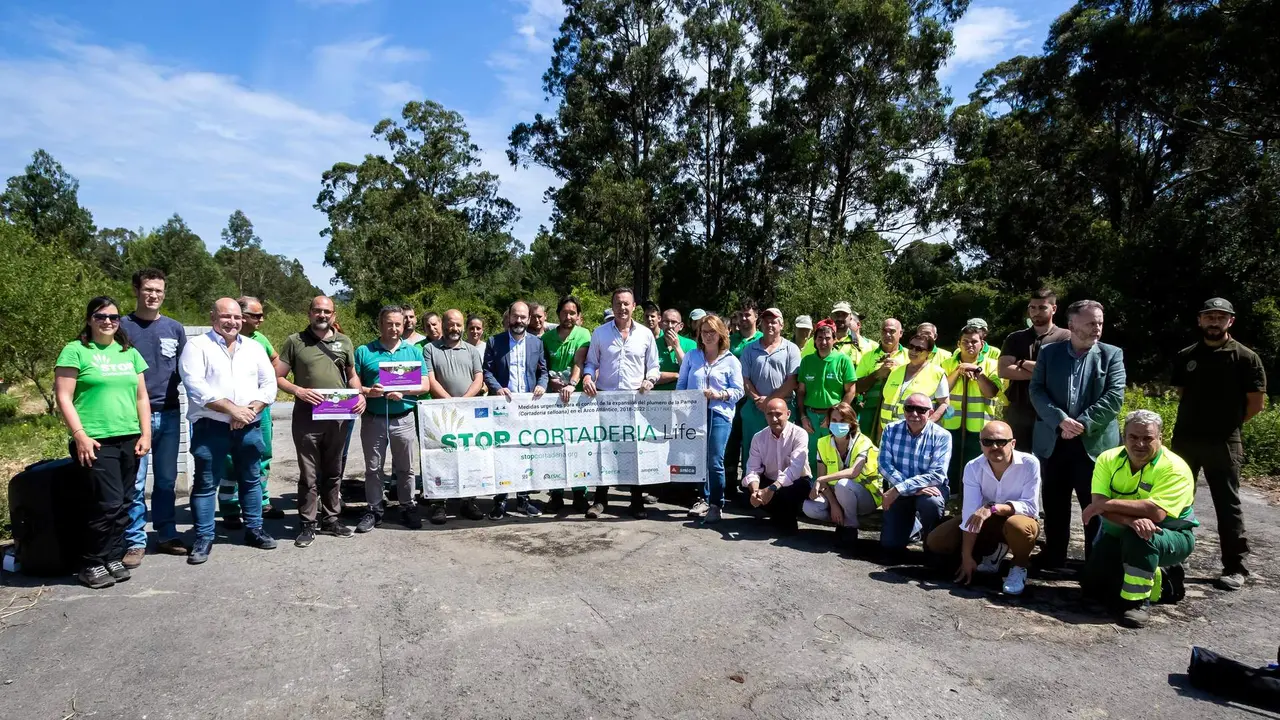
(25, 439)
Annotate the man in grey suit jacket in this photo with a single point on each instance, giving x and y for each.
(1077, 389)
(507, 371)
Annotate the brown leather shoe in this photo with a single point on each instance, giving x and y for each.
(133, 557)
(172, 547)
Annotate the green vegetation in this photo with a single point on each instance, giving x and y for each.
(1261, 434)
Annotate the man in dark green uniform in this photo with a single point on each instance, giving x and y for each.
(1222, 384)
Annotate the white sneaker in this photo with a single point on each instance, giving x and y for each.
(1016, 581)
(991, 563)
(713, 516)
(699, 509)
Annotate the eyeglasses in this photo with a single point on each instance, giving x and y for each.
(255, 316)
(106, 317)
(917, 348)
(995, 442)
(915, 409)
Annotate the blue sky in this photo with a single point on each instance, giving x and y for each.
(204, 108)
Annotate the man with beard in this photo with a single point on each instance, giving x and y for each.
(456, 372)
(1077, 389)
(1018, 361)
(653, 318)
(320, 358)
(411, 334)
(1221, 384)
(514, 364)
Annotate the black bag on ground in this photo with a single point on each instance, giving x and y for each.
(45, 510)
(1259, 687)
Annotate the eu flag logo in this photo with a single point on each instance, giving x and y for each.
(482, 412)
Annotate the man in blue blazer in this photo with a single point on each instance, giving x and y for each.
(514, 363)
(1077, 389)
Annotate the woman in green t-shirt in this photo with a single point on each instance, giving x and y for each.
(566, 350)
(103, 398)
(825, 379)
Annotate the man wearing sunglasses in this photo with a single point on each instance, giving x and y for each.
(914, 454)
(999, 513)
(1144, 495)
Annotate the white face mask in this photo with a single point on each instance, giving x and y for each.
(839, 429)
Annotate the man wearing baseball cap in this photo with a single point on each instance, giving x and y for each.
(1222, 384)
(803, 331)
(849, 340)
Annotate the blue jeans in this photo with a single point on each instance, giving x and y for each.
(165, 428)
(911, 514)
(211, 443)
(718, 427)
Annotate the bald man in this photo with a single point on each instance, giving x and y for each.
(1001, 503)
(320, 358)
(914, 454)
(872, 371)
(230, 382)
(777, 476)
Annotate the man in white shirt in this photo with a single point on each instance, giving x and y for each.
(1001, 488)
(623, 356)
(777, 476)
(230, 381)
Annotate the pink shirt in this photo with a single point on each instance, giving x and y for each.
(784, 459)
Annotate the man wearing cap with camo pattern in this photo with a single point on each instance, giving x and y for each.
(1221, 384)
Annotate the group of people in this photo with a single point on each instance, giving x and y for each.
(826, 424)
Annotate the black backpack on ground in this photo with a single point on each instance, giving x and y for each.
(45, 510)
(1226, 678)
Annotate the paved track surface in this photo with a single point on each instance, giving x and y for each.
(568, 618)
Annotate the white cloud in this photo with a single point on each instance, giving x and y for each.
(518, 66)
(985, 34)
(147, 140)
(349, 72)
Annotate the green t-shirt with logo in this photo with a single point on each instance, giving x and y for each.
(738, 343)
(824, 379)
(667, 361)
(106, 395)
(560, 353)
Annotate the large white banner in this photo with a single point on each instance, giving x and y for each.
(483, 446)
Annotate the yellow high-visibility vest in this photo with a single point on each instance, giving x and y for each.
(967, 401)
(896, 391)
(869, 478)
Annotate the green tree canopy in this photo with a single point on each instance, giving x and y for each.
(398, 222)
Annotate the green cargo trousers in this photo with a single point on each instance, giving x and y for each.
(1124, 563)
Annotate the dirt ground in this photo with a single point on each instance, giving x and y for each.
(563, 617)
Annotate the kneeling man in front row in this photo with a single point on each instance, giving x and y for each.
(999, 511)
(1144, 494)
(777, 476)
(914, 454)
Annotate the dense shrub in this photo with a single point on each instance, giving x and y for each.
(1261, 434)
